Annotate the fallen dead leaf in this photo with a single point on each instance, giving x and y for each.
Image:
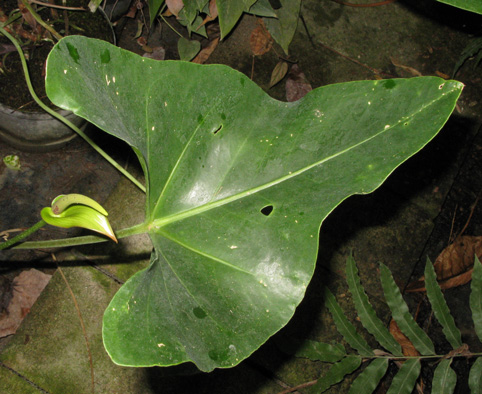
(297, 84)
(29, 18)
(27, 287)
(407, 347)
(132, 11)
(158, 53)
(204, 54)
(175, 6)
(213, 14)
(260, 40)
(454, 264)
(279, 72)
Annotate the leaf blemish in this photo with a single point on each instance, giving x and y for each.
(217, 130)
(267, 210)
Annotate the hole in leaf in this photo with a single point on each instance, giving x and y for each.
(217, 130)
(267, 210)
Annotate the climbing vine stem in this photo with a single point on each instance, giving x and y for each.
(61, 243)
(66, 121)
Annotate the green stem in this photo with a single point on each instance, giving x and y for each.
(169, 25)
(67, 122)
(76, 241)
(40, 20)
(23, 235)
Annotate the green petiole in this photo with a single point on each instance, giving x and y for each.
(62, 119)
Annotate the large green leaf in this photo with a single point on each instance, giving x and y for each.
(469, 5)
(154, 7)
(283, 28)
(229, 12)
(238, 184)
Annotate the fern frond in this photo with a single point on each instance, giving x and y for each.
(313, 350)
(401, 314)
(473, 48)
(365, 311)
(476, 297)
(475, 377)
(405, 379)
(440, 308)
(337, 373)
(345, 328)
(444, 378)
(368, 380)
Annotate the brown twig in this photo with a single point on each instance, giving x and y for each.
(363, 5)
(84, 331)
(60, 7)
(300, 386)
(373, 70)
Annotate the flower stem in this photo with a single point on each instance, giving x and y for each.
(75, 241)
(67, 122)
(23, 235)
(40, 20)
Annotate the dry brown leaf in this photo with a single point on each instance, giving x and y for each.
(204, 53)
(454, 264)
(278, 73)
(411, 70)
(27, 287)
(260, 40)
(132, 11)
(28, 17)
(175, 6)
(158, 53)
(408, 349)
(213, 14)
(297, 84)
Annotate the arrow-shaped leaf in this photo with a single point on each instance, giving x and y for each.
(76, 210)
(238, 184)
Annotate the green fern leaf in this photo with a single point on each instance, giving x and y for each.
(365, 311)
(405, 379)
(475, 377)
(368, 380)
(345, 328)
(401, 314)
(313, 350)
(336, 373)
(440, 308)
(476, 297)
(444, 378)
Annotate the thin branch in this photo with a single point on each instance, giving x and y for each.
(97, 148)
(61, 7)
(23, 235)
(300, 386)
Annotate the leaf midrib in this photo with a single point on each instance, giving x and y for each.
(161, 222)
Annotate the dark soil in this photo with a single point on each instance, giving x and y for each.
(13, 88)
